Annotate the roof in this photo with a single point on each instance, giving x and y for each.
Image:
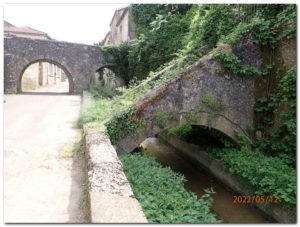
(7, 24)
(122, 16)
(106, 37)
(118, 13)
(9, 28)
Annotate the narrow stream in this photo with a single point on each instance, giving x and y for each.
(199, 179)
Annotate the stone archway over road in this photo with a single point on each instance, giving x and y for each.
(79, 61)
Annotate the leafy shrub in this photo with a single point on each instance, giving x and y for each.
(121, 125)
(282, 102)
(233, 63)
(157, 44)
(181, 131)
(268, 175)
(116, 59)
(101, 91)
(208, 24)
(162, 194)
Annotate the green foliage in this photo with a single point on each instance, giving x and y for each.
(181, 131)
(102, 110)
(145, 14)
(208, 101)
(281, 103)
(157, 44)
(191, 117)
(266, 174)
(287, 22)
(116, 59)
(219, 21)
(101, 91)
(236, 35)
(233, 63)
(273, 23)
(160, 118)
(121, 125)
(161, 192)
(208, 24)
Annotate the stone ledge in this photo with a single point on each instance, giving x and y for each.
(111, 197)
(115, 209)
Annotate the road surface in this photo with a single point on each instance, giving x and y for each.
(62, 87)
(41, 182)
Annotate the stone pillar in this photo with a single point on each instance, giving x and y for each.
(41, 73)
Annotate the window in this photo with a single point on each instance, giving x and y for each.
(49, 69)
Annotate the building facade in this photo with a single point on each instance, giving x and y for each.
(121, 28)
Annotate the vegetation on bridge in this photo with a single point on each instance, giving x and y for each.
(200, 29)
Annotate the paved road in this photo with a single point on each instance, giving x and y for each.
(62, 87)
(40, 183)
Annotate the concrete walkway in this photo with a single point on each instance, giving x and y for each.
(41, 184)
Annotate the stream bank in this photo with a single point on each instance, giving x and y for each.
(214, 167)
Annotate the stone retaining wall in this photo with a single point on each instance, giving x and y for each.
(111, 197)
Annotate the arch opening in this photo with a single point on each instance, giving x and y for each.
(203, 137)
(45, 76)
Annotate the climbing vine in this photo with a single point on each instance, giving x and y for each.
(121, 125)
(116, 59)
(281, 103)
(178, 35)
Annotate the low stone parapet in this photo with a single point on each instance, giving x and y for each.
(110, 194)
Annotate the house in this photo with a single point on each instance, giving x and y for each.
(25, 32)
(39, 73)
(121, 28)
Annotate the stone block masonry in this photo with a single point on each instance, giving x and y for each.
(79, 61)
(111, 197)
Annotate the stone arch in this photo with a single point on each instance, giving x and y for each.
(151, 128)
(79, 60)
(64, 68)
(110, 78)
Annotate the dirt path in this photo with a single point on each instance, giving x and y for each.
(41, 182)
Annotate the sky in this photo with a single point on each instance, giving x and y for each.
(78, 23)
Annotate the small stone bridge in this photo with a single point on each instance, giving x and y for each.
(204, 95)
(79, 61)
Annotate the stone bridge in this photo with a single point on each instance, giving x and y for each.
(204, 94)
(79, 61)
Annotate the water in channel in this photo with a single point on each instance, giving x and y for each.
(199, 179)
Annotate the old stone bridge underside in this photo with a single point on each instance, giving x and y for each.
(79, 61)
(205, 94)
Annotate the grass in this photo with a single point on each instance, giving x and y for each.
(78, 151)
(101, 110)
(75, 150)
